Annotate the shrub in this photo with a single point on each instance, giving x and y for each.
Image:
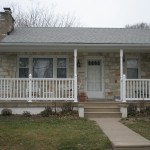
(132, 109)
(67, 108)
(6, 112)
(148, 110)
(26, 114)
(47, 112)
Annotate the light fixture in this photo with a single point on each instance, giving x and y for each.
(78, 63)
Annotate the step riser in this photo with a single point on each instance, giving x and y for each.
(101, 105)
(102, 110)
(102, 115)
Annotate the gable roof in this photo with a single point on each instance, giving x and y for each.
(76, 35)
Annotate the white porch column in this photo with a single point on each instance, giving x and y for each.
(30, 87)
(121, 74)
(75, 75)
(124, 88)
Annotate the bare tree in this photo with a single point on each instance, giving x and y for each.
(141, 25)
(40, 17)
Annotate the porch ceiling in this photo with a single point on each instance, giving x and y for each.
(38, 47)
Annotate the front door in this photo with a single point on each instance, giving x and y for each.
(94, 84)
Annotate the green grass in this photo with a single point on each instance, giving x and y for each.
(140, 126)
(51, 134)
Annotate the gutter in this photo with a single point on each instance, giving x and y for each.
(74, 44)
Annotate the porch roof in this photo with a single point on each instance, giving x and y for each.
(77, 35)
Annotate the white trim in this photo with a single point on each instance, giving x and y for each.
(75, 74)
(121, 74)
(121, 63)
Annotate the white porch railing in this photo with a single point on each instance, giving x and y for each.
(33, 89)
(135, 89)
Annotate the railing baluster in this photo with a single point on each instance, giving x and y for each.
(43, 89)
(46, 88)
(133, 91)
(138, 87)
(14, 88)
(145, 88)
(49, 89)
(20, 88)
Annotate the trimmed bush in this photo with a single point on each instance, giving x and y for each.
(132, 110)
(47, 112)
(26, 114)
(67, 108)
(6, 112)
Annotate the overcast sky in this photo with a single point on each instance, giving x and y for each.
(95, 13)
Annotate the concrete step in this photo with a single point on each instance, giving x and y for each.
(101, 104)
(102, 109)
(102, 114)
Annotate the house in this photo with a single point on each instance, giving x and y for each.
(58, 63)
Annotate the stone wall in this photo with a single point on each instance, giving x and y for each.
(8, 65)
(145, 65)
(111, 75)
(8, 62)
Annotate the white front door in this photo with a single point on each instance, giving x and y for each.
(94, 84)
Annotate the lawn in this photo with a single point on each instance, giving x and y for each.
(51, 134)
(141, 126)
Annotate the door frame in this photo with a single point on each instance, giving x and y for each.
(102, 71)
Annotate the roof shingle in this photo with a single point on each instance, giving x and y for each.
(78, 35)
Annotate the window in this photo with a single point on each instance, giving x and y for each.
(132, 68)
(43, 67)
(61, 68)
(23, 67)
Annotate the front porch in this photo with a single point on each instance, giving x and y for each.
(97, 74)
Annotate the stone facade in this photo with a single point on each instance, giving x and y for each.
(111, 68)
(8, 65)
(145, 65)
(112, 74)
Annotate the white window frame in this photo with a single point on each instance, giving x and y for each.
(39, 56)
(138, 59)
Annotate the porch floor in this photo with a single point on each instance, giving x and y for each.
(121, 137)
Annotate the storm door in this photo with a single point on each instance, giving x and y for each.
(94, 84)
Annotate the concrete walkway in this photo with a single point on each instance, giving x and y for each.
(121, 137)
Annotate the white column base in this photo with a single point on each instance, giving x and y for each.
(81, 110)
(124, 112)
